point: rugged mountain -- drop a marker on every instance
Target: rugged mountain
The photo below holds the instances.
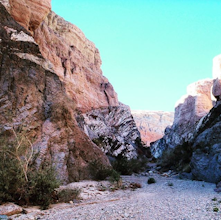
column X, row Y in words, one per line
column 151, row 124
column 49, row 76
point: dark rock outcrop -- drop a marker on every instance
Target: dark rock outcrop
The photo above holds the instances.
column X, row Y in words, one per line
column 206, row 147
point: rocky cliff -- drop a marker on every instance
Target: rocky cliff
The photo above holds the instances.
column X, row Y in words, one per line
column 151, row 124
column 193, row 142
column 77, row 62
column 188, row 111
column 49, row 76
column 33, row 98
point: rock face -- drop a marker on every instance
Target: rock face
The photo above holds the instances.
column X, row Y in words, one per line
column 33, row 96
column 77, row 62
column 206, row 147
column 189, row 110
column 151, row 124
column 114, row 130
column 50, row 74
column 28, row 13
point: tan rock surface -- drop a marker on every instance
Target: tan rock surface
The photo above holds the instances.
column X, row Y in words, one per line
column 151, row 124
column 28, row 13
column 77, row 62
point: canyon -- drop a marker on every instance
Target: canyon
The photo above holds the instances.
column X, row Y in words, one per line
column 53, row 89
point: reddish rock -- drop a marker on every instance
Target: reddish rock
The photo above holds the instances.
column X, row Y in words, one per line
column 33, row 97
column 151, row 124
column 28, row 13
column 77, row 62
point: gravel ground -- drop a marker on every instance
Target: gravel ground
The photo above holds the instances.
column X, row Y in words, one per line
column 169, row 198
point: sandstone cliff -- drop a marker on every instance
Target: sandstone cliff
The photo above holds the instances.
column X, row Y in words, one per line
column 151, row 124
column 34, row 98
column 50, row 75
column 77, row 62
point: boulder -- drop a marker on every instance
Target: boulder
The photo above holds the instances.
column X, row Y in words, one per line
column 10, row 209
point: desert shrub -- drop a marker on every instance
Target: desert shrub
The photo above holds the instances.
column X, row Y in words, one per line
column 151, row 180
column 177, row 158
column 21, row 182
column 114, row 176
column 11, row 177
column 215, row 209
column 42, row 183
column 67, row 195
column 127, row 167
column 99, row 171
column 170, row 184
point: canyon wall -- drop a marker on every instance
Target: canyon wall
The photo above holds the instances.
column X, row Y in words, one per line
column 193, row 141
column 50, row 76
column 77, row 62
column 188, row 111
column 151, row 124
column 114, row 130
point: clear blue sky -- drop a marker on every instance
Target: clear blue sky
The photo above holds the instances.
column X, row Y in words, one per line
column 150, row 49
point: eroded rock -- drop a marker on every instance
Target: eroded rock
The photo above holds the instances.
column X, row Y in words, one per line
column 113, row 130
column 77, row 62
column 10, row 209
column 151, row 124
column 188, row 112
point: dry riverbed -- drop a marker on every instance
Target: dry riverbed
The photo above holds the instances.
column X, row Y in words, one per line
column 168, row 198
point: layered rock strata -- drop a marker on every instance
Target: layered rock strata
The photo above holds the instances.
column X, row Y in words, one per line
column 77, row 62
column 28, row 13
column 188, row 112
column 114, row 130
column 151, row 124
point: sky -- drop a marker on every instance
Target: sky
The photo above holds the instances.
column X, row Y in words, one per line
column 150, row 49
